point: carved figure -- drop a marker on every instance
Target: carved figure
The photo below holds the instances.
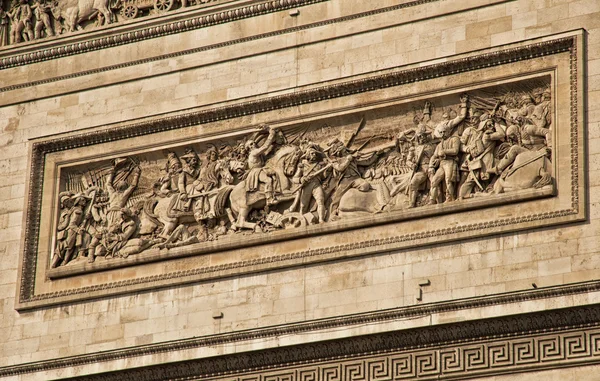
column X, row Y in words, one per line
column 207, row 180
column 479, row 145
column 170, row 182
column 166, row 212
column 418, row 159
column 72, row 225
column 185, row 184
column 530, row 169
column 119, row 193
column 108, row 242
column 42, row 11
column 309, row 176
column 21, row 22
column 243, row 202
column 449, row 124
column 257, row 173
column 4, row 24
column 182, row 236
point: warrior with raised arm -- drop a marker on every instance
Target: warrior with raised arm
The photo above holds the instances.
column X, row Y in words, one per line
column 257, row 173
column 119, row 193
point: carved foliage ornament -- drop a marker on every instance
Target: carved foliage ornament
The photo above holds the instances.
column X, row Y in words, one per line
column 478, row 146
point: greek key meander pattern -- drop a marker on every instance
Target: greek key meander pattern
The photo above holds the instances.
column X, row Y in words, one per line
column 39, row 150
column 573, row 348
column 535, row 341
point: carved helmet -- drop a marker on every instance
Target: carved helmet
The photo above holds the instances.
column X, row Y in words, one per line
column 173, row 161
column 190, row 154
column 212, row 149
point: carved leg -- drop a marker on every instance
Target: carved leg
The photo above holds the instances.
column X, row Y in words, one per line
column 242, row 223
column 319, row 196
column 168, row 229
column 450, row 191
column 56, row 261
column 466, row 188
column 294, row 205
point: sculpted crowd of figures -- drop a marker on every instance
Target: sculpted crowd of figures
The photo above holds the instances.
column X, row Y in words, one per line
column 27, row 20
column 273, row 180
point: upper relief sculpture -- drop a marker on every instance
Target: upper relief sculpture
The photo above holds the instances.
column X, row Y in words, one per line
column 27, row 20
column 479, row 144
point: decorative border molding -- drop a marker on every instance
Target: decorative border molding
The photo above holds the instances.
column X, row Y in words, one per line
column 40, row 149
column 541, row 340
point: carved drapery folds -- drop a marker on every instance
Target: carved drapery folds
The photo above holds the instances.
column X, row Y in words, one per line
column 445, row 150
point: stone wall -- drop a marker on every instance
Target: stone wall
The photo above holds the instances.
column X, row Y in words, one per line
column 269, row 54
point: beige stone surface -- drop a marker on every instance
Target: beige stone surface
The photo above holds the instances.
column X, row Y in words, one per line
column 500, row 263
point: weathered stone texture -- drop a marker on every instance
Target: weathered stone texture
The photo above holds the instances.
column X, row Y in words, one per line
column 509, row 262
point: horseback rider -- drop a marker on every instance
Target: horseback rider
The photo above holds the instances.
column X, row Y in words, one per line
column 257, row 173
column 189, row 174
column 207, row 180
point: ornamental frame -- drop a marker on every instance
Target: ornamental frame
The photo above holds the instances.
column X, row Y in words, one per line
column 559, row 58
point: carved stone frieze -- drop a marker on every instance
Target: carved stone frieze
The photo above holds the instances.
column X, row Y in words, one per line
column 479, row 144
column 444, row 154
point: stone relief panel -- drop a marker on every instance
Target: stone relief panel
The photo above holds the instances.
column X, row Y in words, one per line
column 25, row 20
column 487, row 144
column 444, row 150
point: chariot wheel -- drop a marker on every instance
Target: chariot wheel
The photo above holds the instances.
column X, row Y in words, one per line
column 163, row 5
column 293, row 220
column 129, row 11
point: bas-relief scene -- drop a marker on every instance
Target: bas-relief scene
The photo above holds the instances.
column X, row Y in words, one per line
column 442, row 150
column 28, row 20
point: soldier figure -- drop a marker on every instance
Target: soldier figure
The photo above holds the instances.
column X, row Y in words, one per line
column 443, row 167
column 479, row 144
column 41, row 11
column 21, row 20
column 309, row 175
column 70, row 229
column 450, row 124
column 169, row 182
column 119, row 194
column 419, row 160
column 208, row 180
column 345, row 166
column 256, row 172
column 109, row 241
column 189, row 174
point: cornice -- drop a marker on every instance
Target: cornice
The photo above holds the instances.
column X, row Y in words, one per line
column 40, row 149
column 541, row 322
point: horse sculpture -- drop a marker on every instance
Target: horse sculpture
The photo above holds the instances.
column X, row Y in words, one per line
column 529, row 170
column 73, row 12
column 241, row 202
column 158, row 211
